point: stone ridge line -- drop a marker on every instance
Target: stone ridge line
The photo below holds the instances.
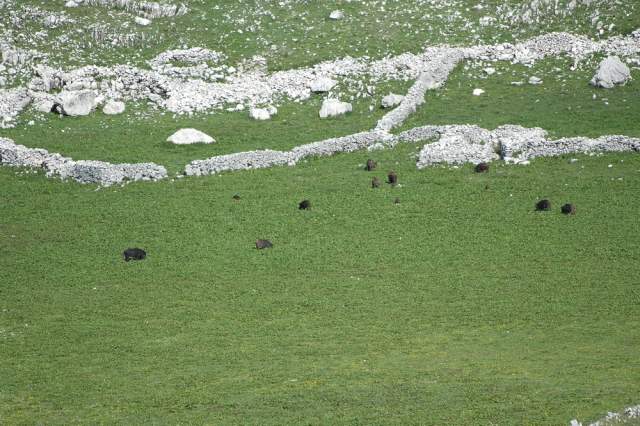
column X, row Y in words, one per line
column 433, row 74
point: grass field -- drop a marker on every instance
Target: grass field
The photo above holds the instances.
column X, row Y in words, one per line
column 459, row 305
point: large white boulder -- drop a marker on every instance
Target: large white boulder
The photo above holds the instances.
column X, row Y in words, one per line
column 78, row 102
column 334, row 107
column 611, row 71
column 322, row 84
column 391, row 100
column 189, row 136
column 113, row 107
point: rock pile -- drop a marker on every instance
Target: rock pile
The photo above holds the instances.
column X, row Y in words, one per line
column 627, row 415
column 97, row 172
column 516, row 144
column 12, row 101
column 268, row 158
column 459, row 147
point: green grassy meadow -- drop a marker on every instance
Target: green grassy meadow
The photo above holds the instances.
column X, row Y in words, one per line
column 460, row 305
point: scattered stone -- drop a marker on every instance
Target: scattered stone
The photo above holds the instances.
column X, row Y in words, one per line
column 263, row 244
column 375, row 182
column 568, row 209
column 371, row 165
column 134, row 254
column 142, row 21
column 482, row 168
column 189, row 136
column 236, row 197
column 113, row 107
column 334, row 107
column 485, row 21
column 336, row 15
column 535, row 80
column 259, row 114
column 78, row 102
column 322, row 85
column 304, row 205
column 396, row 201
column 611, row 71
column 543, row 205
column 71, row 3
column 392, row 178
column 478, row 92
column 391, row 100
column 489, row 71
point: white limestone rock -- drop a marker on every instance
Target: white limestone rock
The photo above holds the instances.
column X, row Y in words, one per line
column 322, row 85
column 259, row 114
column 78, row 102
column 391, row 100
column 189, row 136
column 334, row 107
column 113, row 107
column 478, row 92
column 142, row 21
column 611, row 71
column 43, row 105
column 535, row 80
column 71, row 3
column 336, row 15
